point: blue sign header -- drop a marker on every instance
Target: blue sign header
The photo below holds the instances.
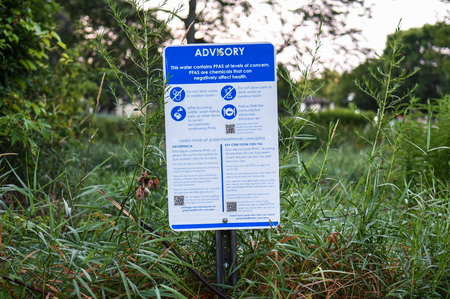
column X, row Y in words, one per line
column 218, row 63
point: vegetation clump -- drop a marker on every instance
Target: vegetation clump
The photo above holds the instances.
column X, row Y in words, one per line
column 363, row 219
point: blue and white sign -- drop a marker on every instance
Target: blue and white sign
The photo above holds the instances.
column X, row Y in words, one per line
column 222, row 136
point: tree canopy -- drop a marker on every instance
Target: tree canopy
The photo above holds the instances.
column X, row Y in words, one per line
column 217, row 19
column 427, row 48
column 83, row 23
column 29, row 84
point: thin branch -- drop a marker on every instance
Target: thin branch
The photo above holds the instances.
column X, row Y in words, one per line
column 28, row 286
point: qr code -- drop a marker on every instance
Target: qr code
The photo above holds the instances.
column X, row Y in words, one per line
column 231, row 206
column 230, row 129
column 178, row 200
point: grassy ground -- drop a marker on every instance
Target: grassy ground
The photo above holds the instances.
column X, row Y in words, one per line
column 336, row 239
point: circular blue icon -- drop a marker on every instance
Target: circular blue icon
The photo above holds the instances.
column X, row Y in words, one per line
column 178, row 113
column 177, row 94
column 228, row 92
column 229, row 111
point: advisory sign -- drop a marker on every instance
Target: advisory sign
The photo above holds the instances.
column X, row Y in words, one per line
column 222, row 136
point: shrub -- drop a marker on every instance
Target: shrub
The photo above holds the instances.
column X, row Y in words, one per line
column 350, row 122
column 425, row 152
column 41, row 105
column 346, row 117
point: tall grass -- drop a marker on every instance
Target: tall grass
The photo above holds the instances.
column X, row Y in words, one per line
column 373, row 227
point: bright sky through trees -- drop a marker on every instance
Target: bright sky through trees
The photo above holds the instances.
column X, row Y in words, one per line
column 386, row 15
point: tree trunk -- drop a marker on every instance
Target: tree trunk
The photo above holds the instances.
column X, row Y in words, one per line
column 191, row 17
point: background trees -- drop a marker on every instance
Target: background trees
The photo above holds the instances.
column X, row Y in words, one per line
column 285, row 27
column 342, row 90
column 44, row 93
column 81, row 22
column 50, row 69
column 427, row 47
column 36, row 100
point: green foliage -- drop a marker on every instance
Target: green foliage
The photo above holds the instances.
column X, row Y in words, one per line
column 283, row 90
column 27, row 34
column 426, row 47
column 294, row 120
column 314, row 134
column 384, row 144
column 331, row 85
column 26, row 38
column 425, row 152
column 79, row 23
column 346, row 93
column 350, row 122
column 42, row 102
column 112, row 129
column 69, row 248
column 347, row 117
column 359, row 223
column 146, row 92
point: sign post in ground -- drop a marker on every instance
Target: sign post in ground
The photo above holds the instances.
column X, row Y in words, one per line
column 222, row 142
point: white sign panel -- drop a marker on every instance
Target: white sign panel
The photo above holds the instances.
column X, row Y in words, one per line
column 222, row 136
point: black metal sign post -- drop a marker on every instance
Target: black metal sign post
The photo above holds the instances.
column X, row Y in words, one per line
column 226, row 259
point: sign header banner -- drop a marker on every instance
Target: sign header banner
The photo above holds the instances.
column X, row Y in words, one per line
column 194, row 64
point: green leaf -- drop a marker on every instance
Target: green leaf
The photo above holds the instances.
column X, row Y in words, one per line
column 88, row 257
column 77, row 289
column 33, row 146
column 21, row 83
column 62, row 45
column 36, row 108
column 86, row 286
column 46, row 42
column 173, row 291
column 45, row 133
column 24, row 63
column 16, row 135
column 37, row 28
column 15, row 108
column 55, row 35
column 32, row 65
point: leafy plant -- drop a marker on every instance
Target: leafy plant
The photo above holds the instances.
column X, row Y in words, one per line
column 369, row 230
column 145, row 92
column 425, row 152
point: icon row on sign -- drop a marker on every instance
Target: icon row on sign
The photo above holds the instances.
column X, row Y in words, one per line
column 178, row 113
column 177, row 94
